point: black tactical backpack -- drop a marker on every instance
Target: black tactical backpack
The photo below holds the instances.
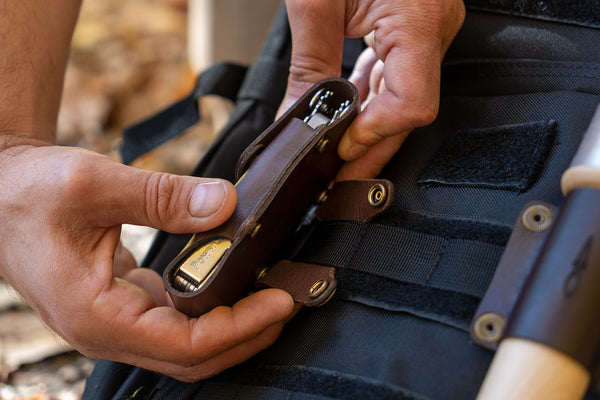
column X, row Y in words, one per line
column 519, row 87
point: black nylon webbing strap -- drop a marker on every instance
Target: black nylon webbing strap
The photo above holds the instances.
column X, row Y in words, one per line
column 460, row 265
column 580, row 12
column 222, row 79
column 382, row 264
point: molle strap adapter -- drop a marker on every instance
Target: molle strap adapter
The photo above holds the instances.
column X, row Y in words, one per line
column 280, row 178
column 313, row 284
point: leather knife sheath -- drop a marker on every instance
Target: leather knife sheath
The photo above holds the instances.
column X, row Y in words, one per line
column 280, row 177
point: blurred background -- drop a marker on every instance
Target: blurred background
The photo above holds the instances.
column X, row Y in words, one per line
column 129, row 60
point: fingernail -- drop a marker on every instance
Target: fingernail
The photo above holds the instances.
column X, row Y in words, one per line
column 206, row 199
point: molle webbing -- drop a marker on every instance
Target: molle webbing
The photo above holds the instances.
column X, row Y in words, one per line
column 386, row 265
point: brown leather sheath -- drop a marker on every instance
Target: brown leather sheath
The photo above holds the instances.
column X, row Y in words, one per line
column 280, row 176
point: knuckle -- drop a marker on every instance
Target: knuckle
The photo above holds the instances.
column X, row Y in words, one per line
column 309, row 68
column 423, row 114
column 75, row 176
column 161, row 197
column 370, row 138
column 79, row 339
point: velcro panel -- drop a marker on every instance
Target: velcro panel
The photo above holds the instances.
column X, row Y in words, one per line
column 580, row 12
column 508, row 157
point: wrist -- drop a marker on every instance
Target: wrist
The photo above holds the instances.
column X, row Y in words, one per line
column 12, row 144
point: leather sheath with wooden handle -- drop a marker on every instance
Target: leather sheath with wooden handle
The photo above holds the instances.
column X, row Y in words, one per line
column 553, row 335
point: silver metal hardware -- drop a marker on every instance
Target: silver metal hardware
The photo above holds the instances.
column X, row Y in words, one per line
column 322, row 113
column 537, row 218
column 489, row 327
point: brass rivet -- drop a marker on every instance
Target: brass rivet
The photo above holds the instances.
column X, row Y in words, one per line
column 322, row 197
column 318, row 288
column 322, row 144
column 261, row 273
column 255, row 230
column 537, row 218
column 377, row 195
column 489, row 327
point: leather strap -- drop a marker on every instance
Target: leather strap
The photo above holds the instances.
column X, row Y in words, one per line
column 359, row 200
column 309, row 284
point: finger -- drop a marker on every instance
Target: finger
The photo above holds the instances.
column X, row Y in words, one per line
column 163, row 335
column 373, row 161
column 410, row 100
column 123, row 261
column 151, row 282
column 317, row 36
column 212, row 366
column 360, row 76
column 229, row 358
column 108, row 193
column 376, row 82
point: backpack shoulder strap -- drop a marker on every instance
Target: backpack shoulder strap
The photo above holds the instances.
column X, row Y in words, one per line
column 224, row 79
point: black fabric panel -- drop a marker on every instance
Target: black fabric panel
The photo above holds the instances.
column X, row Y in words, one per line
column 266, row 81
column 580, row 12
column 507, row 77
column 493, row 36
column 323, row 383
column 383, row 345
column 112, row 380
column 451, row 227
column 446, row 306
column 352, row 49
column 571, row 110
column 505, row 157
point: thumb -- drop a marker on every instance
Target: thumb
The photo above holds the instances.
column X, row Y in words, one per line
column 112, row 194
column 317, row 37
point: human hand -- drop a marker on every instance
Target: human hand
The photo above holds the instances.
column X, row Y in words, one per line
column 59, row 247
column 399, row 78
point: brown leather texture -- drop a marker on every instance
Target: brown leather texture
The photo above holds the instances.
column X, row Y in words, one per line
column 560, row 300
column 275, row 191
column 311, row 285
column 520, row 255
column 359, row 200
